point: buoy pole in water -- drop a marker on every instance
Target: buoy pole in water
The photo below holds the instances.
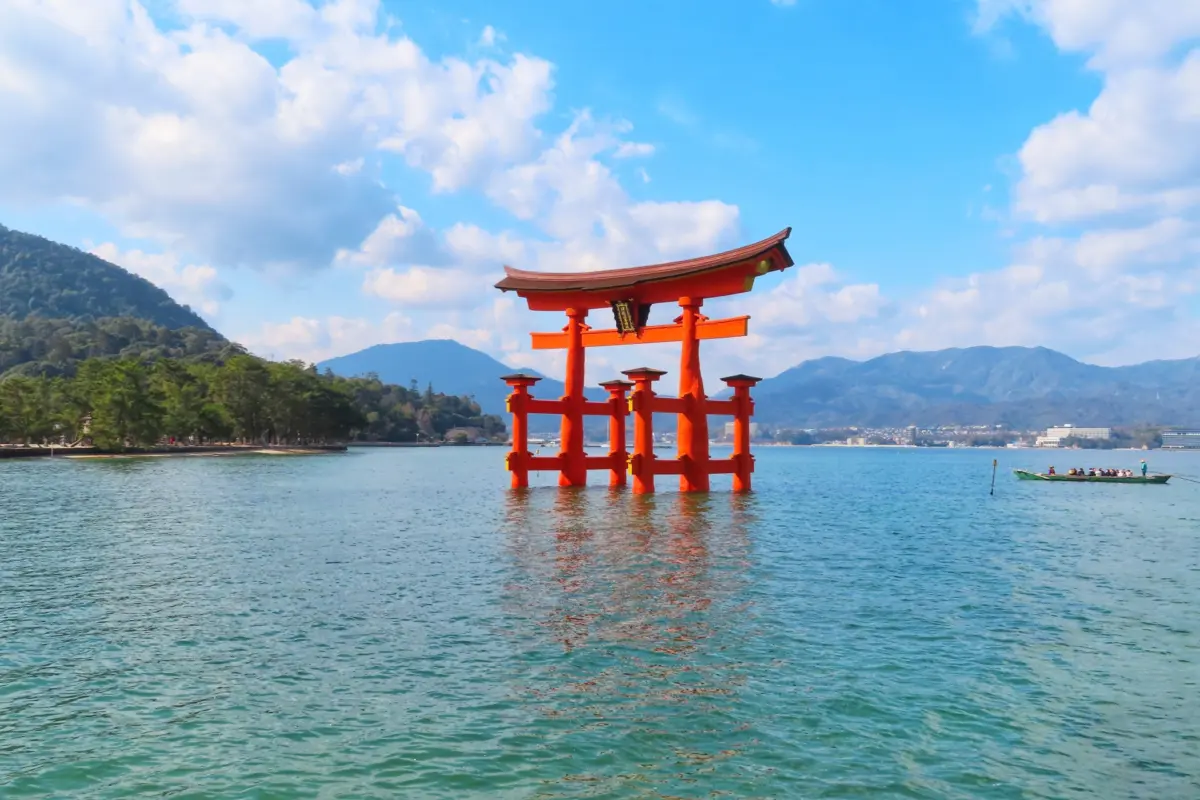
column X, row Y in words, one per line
column 993, row 491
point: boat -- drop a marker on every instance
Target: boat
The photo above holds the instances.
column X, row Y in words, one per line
column 1026, row 475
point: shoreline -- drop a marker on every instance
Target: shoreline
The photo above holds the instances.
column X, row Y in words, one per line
column 176, row 451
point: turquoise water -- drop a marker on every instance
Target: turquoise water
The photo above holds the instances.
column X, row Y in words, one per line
column 383, row 624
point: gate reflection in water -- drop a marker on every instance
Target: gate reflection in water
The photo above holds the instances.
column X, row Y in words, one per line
column 635, row 638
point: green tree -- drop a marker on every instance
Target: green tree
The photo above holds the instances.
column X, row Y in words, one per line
column 126, row 406
column 243, row 389
column 29, row 409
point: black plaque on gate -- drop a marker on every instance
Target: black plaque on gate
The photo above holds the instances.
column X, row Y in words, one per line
column 625, row 312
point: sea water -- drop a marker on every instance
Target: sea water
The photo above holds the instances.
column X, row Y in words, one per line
column 396, row 623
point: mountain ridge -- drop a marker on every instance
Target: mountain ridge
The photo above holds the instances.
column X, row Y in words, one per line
column 449, row 366
column 43, row 278
column 1021, row 387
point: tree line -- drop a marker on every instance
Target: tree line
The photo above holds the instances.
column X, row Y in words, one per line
column 54, row 346
column 121, row 403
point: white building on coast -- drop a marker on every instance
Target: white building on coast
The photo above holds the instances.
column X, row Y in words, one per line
column 1054, row 436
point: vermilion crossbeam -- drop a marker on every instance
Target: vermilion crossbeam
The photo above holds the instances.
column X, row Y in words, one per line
column 652, row 334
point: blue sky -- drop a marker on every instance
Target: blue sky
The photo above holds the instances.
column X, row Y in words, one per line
column 318, row 179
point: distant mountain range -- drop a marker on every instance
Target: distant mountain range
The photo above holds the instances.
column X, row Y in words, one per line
column 1021, row 387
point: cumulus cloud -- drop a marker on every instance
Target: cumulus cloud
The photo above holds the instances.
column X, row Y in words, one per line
column 191, row 138
column 400, row 238
column 1112, row 32
column 1134, row 152
column 424, row 286
column 312, row 339
column 196, row 285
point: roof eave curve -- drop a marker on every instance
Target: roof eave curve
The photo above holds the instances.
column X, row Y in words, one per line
column 527, row 281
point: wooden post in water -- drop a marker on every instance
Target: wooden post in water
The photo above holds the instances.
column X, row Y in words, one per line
column 518, row 405
column 743, row 461
column 641, row 402
column 616, row 430
column 993, row 491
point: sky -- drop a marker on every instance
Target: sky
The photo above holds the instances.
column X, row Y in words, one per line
column 314, row 177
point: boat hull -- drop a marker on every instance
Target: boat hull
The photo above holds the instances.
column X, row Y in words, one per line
column 1026, row 475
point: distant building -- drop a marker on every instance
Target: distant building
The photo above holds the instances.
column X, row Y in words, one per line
column 729, row 430
column 1055, row 436
column 910, row 435
column 857, row 441
column 1179, row 439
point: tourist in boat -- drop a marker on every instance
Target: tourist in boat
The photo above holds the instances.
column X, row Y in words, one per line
column 1051, row 472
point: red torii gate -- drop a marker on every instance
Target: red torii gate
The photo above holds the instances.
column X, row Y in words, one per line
column 630, row 293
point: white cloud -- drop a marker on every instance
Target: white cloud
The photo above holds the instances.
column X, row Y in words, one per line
column 425, row 286
column 195, row 285
column 634, row 150
column 489, row 37
column 1137, row 150
column 578, row 203
column 191, row 138
column 1113, row 32
column 312, row 340
column 399, row 238
column 470, row 244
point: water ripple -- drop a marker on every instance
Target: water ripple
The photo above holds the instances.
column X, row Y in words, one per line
column 395, row 624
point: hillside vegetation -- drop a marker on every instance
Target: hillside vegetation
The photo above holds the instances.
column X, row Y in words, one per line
column 42, row 278
column 54, row 347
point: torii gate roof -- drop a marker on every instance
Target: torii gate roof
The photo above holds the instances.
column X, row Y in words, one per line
column 731, row 272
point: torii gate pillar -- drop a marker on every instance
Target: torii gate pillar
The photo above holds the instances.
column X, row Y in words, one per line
column 692, row 429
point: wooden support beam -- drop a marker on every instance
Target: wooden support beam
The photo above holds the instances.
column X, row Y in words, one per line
column 667, row 405
column 668, row 466
column 600, row 462
column 722, row 466
column 544, row 463
column 533, row 406
column 726, row 407
column 652, row 334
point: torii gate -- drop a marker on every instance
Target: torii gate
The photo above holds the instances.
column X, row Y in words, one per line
column 630, row 293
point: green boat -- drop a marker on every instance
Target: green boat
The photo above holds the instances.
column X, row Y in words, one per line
column 1026, row 475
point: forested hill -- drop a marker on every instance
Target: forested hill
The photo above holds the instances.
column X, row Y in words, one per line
column 55, row 347
column 42, row 278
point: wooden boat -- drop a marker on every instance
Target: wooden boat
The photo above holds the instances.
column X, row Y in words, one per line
column 1026, row 475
